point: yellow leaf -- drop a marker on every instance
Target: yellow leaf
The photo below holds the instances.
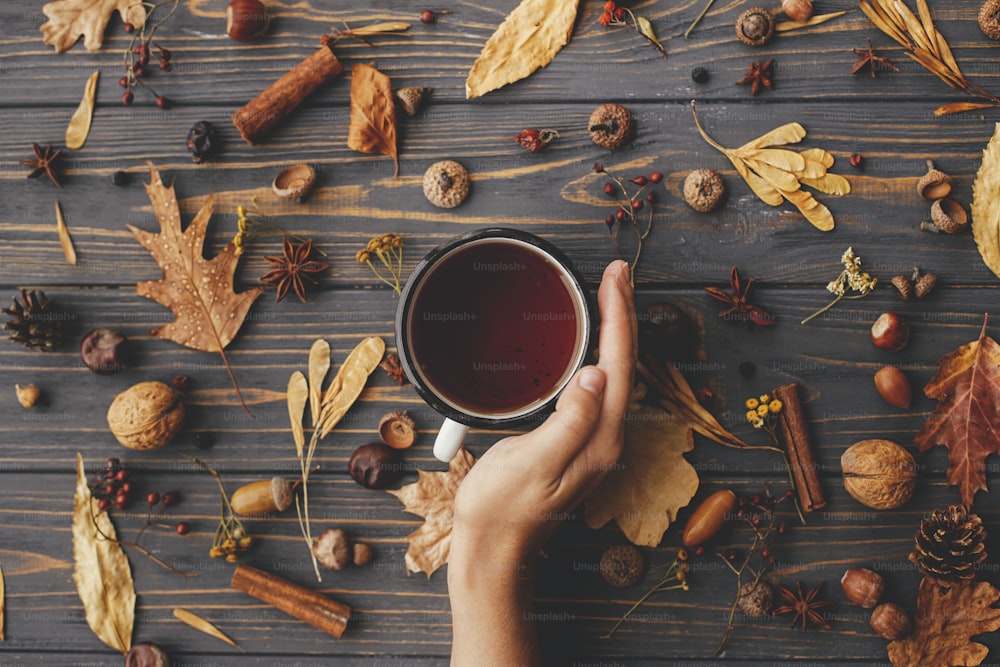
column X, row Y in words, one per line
column 372, row 126
column 201, row 625
column 297, row 395
column 68, row 20
column 913, row 27
column 986, row 204
column 961, row 107
column 786, row 26
column 646, row 30
column 832, row 184
column 349, row 382
column 783, row 159
column 815, row 212
column 79, row 124
column 319, row 366
column 101, row 571
column 790, row 133
column 65, row 240
column 780, row 179
column 760, row 187
column 818, row 155
column 529, row 38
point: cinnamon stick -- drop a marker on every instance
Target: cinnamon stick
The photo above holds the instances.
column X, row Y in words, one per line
column 304, row 604
column 794, row 434
column 259, row 116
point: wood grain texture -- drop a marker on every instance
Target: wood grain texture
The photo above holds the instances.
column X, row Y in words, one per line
column 401, row 620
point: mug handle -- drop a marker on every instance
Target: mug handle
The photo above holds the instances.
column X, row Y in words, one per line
column 449, row 440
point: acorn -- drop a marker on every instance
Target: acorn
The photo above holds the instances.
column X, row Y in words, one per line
column 266, row 496
column 294, row 182
column 247, row 20
column 935, row 184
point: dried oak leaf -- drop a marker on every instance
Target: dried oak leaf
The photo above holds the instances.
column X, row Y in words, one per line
column 101, row 570
column 71, row 19
column 373, row 113
column 529, row 38
column 945, row 622
column 967, row 388
column 432, row 497
column 986, row 205
column 208, row 313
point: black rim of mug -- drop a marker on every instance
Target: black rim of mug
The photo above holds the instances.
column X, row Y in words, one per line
column 406, row 298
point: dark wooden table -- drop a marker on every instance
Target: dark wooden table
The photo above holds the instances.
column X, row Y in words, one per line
column 400, row 619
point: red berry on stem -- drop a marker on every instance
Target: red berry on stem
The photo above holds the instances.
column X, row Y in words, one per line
column 637, row 205
column 651, row 197
column 127, row 97
column 655, row 177
column 640, row 180
column 162, row 102
column 699, row 550
column 103, row 505
column 183, row 528
column 152, row 497
column 120, row 504
column 126, row 487
column 170, row 498
column 123, row 82
column 610, row 220
column 111, row 463
column 165, row 65
column 109, row 490
column 619, row 215
column 609, row 189
column 427, row 16
column 128, row 27
column 121, row 475
column 139, row 71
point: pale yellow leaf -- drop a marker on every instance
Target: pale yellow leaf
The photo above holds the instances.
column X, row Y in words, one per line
column 349, row 382
column 65, row 240
column 79, row 124
column 297, row 395
column 815, row 212
column 832, row 184
column 818, row 155
column 812, row 169
column 201, row 625
column 761, row 188
column 319, row 366
column 101, row 570
column 961, row 107
column 786, row 26
column 780, row 179
column 986, row 204
column 780, row 158
column 529, row 38
column 947, row 57
column 913, row 27
column 789, row 133
column 3, row 607
column 379, row 28
column 68, row 20
column 802, row 199
column 646, row 30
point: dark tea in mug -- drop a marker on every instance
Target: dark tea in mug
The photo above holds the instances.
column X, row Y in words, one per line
column 495, row 328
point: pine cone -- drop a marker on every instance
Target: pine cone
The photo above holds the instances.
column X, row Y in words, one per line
column 949, row 545
column 35, row 322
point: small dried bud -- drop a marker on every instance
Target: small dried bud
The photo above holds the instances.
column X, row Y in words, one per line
column 27, row 395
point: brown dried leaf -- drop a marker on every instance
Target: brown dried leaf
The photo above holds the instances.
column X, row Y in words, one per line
column 986, row 204
column 201, row 625
column 945, row 622
column 297, row 395
column 967, row 388
column 79, row 124
column 319, row 366
column 787, row 26
column 208, row 313
column 529, row 38
column 3, row 607
column 349, row 381
column 71, row 19
column 373, row 113
column 65, row 240
column 101, row 570
column 432, row 497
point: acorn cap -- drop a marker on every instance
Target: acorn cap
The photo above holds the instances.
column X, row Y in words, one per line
column 703, row 189
column 611, row 126
column 924, row 285
column 294, row 182
column 903, row 286
column 446, row 184
column 397, row 430
column 411, row 98
column 755, row 26
column 989, row 19
column 935, row 184
column 281, row 491
column 949, row 216
column 622, row 566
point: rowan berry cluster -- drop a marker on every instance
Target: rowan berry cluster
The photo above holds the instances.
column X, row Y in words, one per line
column 140, row 50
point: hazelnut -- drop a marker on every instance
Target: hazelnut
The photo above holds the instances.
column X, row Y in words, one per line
column 879, row 473
column 903, row 286
column 703, row 189
column 294, row 182
column 709, row 518
column 333, row 549
column 890, row 621
column 103, row 351
column 622, row 566
column 935, row 184
column 265, row 496
column 611, row 126
column 862, row 586
column 890, row 332
column 755, row 26
column 412, row 98
column 893, row 385
column 397, row 430
column 247, row 20
column 989, row 19
column 924, row 285
column 756, row 599
column 446, row 184
column 27, row 395
column 375, row 466
column 949, row 216
column 146, row 415
column 146, row 654
column 362, row 553
column 797, row 10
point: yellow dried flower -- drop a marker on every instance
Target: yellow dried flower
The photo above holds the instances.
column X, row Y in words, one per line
column 752, row 403
column 373, row 245
column 762, row 410
column 775, row 406
column 764, row 398
column 682, row 555
column 752, row 415
column 363, row 256
column 246, row 542
column 230, row 558
column 214, row 552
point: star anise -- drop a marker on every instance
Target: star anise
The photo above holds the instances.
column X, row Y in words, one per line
column 759, row 75
column 44, row 163
column 804, row 605
column 872, row 60
column 394, row 369
column 289, row 270
column 738, row 299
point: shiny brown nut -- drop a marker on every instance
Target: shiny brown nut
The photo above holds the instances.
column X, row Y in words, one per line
column 879, row 473
column 103, row 351
column 893, row 385
column 862, row 586
column 709, row 518
column 890, row 621
column 146, row 415
column 375, row 466
column 247, row 20
column 266, row 496
column 797, row 10
column 146, row 654
column 890, row 332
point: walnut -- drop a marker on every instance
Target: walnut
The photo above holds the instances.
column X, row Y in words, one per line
column 879, row 473
column 146, row 415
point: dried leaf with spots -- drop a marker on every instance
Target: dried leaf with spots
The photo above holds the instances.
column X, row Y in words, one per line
column 967, row 418
column 79, row 124
column 68, row 20
column 208, row 313
column 101, row 571
column 529, row 38
column 373, row 113
column 201, row 625
column 945, row 622
column 432, row 497
column 986, row 204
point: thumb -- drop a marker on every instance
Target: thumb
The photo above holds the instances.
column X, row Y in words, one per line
column 578, row 412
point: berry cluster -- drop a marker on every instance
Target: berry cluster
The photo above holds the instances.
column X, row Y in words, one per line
column 630, row 204
column 140, row 50
column 612, row 14
column 111, row 486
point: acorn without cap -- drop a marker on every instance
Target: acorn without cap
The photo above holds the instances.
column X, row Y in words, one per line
column 611, row 126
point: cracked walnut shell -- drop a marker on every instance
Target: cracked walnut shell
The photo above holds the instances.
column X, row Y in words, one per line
column 611, row 126
column 446, row 184
column 879, row 473
column 989, row 19
column 146, row 415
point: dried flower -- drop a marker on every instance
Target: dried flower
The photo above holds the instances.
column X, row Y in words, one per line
column 851, row 278
column 738, row 298
column 251, row 228
column 804, row 605
column 676, row 577
column 388, row 250
column 868, row 58
column 394, row 369
column 614, row 15
column 44, row 163
column 230, row 537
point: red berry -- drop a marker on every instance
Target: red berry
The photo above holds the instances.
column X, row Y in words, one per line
column 128, row 27
column 183, row 528
column 427, row 16
column 609, row 189
column 655, row 177
column 123, row 82
column 120, row 504
column 139, row 71
column 109, row 490
column 755, row 520
column 103, row 505
column 789, row 493
column 165, row 65
column 164, row 53
column 781, row 528
column 699, row 550
column 182, row 383
column 121, row 475
column 609, row 221
column 640, row 180
column 126, row 487
column 755, row 500
column 162, row 102
column 170, row 498
column 620, row 215
column 651, row 197
column 152, row 497
column 765, row 553
column 111, row 463
column 637, row 205
column 127, row 97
